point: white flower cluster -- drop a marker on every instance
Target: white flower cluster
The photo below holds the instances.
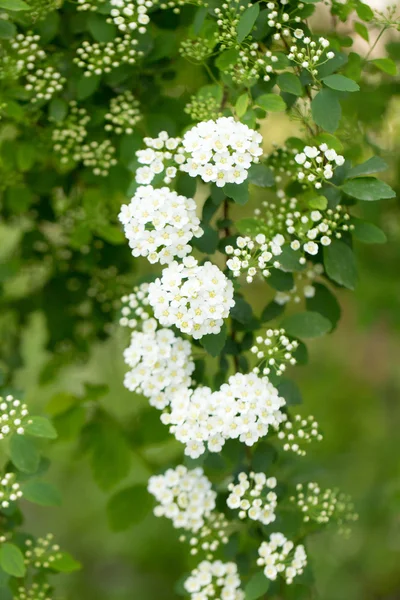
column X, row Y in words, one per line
column 244, row 407
column 99, row 156
column 159, row 224
column 195, row 298
column 299, row 432
column 13, row 416
column 37, row 591
column 323, row 506
column 124, row 113
column 303, row 286
column 161, row 154
column 221, row 151
column 130, row 16
column 44, row 83
column 216, row 580
column 281, row 556
column 253, row 497
column 184, row 496
column 274, row 350
column 69, row 135
column 317, row 164
column 89, row 5
column 161, row 364
column 209, row 537
column 308, row 53
column 41, row 552
column 135, row 307
column 252, row 256
column 102, row 57
column 9, row 490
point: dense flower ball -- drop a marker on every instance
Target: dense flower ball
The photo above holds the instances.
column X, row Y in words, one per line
column 281, row 556
column 160, row 364
column 221, row 151
column 243, row 408
column 185, row 497
column 254, row 498
column 135, row 307
column 195, row 298
column 159, row 224
column 124, row 113
column 214, row 580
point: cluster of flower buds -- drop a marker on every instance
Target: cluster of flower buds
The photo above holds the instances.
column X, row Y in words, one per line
column 130, row 16
column 314, row 228
column 316, row 165
column 89, row 5
column 309, row 54
column 280, row 556
column 42, row 552
column 324, row 506
column 135, row 307
column 254, row 498
column 210, row 536
column 69, row 135
column 37, row 591
column 203, row 107
column 274, row 351
column 280, row 16
column 298, row 433
column 9, row 490
column 13, row 416
column 102, row 57
column 197, row 50
column 124, row 113
column 99, row 156
column 42, row 84
column 23, row 55
column 253, row 256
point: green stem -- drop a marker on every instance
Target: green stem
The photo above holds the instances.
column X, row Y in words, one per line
column 375, row 43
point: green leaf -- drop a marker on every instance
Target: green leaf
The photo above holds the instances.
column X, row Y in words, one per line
column 65, row 563
column 362, row 31
column 375, row 164
column 214, row 343
column 238, row 192
column 14, row 5
column 271, row 102
column 306, row 325
column 256, row 587
column 242, row 311
column 364, row 12
column 325, row 303
column 58, row 109
column 326, row 110
column 241, row 105
column 127, row 507
column 290, row 83
column 261, row 175
column 340, row 264
column 387, row 65
column 272, row 311
column 208, row 242
column 247, row 21
column 282, row 281
column 86, row 86
column 41, row 492
column 226, row 59
column 368, row 189
column 368, row 232
column 12, row 560
column 263, row 457
column 40, row 427
column 289, row 259
column 100, row 29
column 110, row 452
column 289, row 390
column 341, row 83
column 7, row 29
column 251, row 226
column 24, row 454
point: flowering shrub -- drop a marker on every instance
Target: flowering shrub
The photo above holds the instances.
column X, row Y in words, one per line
column 153, row 137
